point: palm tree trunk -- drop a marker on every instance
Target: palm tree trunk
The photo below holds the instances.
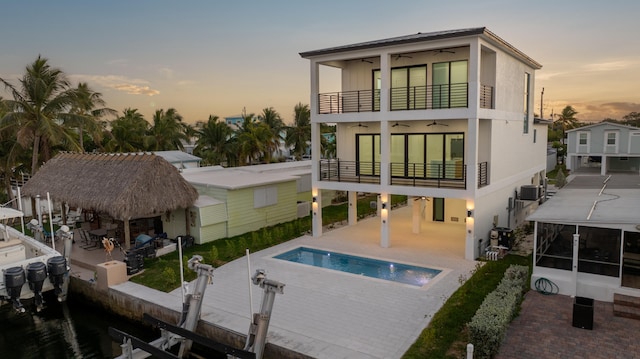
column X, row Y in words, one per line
column 34, row 155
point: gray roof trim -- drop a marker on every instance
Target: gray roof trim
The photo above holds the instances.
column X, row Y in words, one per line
column 598, row 124
column 421, row 37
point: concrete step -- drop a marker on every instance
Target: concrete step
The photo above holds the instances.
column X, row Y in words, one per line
column 626, row 300
column 626, row 311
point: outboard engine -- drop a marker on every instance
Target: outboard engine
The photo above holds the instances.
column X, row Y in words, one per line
column 57, row 269
column 36, row 274
column 13, row 281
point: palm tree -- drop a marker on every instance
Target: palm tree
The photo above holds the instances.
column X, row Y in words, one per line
column 41, row 99
column 299, row 134
column 89, row 106
column 567, row 120
column 128, row 132
column 271, row 132
column 214, row 142
column 167, row 131
column 249, row 136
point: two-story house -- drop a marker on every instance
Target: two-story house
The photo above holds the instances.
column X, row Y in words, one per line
column 606, row 146
column 445, row 118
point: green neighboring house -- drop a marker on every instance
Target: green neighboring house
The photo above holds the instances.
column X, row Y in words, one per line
column 242, row 199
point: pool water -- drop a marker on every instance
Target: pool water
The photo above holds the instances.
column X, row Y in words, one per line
column 374, row 268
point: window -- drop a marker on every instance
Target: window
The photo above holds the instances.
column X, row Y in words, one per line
column 266, row 196
column 409, row 88
column 583, row 138
column 554, row 245
column 611, row 142
column 450, row 84
column 427, row 155
column 527, row 84
column 368, row 154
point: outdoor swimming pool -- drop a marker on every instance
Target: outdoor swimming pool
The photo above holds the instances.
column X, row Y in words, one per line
column 396, row 272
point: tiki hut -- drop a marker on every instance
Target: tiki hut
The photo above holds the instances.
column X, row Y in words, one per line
column 124, row 186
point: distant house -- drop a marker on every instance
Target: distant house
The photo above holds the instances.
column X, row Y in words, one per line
column 606, row 146
column 234, row 121
column 180, row 159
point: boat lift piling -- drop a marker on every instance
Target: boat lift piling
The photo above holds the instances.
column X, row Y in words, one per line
column 185, row 334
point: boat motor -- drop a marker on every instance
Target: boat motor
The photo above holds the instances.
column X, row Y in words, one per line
column 36, row 274
column 13, row 281
column 57, row 270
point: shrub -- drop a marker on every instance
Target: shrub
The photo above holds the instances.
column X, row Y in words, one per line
column 489, row 325
column 169, row 276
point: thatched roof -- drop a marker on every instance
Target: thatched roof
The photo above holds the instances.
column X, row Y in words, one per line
column 125, row 186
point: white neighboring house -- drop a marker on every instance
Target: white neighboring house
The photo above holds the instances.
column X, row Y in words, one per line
column 443, row 117
column 606, row 146
column 180, row 159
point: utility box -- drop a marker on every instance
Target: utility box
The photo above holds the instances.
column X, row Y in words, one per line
column 110, row 273
column 583, row 313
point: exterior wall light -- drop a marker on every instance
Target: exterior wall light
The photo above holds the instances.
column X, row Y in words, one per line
column 469, row 213
column 314, row 199
column 384, row 205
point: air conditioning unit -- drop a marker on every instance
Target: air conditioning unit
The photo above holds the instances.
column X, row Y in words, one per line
column 529, row 193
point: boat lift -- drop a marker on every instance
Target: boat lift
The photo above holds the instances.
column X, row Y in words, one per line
column 184, row 332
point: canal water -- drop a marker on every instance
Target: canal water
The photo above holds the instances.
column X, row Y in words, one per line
column 64, row 330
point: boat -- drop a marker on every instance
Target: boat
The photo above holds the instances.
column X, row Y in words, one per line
column 29, row 266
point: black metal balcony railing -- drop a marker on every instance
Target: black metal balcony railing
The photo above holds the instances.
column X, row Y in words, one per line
column 349, row 101
column 404, row 98
column 402, row 174
column 486, row 96
column 449, row 175
column 483, row 174
column 350, row 171
column 429, row 97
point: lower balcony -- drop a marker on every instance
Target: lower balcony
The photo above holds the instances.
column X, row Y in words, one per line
column 448, row 175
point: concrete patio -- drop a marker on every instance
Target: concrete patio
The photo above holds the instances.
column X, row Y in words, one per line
column 330, row 314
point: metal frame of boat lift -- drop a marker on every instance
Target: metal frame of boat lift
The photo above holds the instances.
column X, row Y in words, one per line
column 184, row 333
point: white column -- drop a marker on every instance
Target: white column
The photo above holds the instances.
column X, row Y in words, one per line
column 603, row 166
column 353, row 207
column 470, row 242
column 316, row 213
column 416, row 218
column 385, row 208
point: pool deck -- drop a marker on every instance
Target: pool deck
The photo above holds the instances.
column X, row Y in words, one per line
column 329, row 314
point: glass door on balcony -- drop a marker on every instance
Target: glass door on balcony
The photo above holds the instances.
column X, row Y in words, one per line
column 450, row 84
column 435, row 156
column 368, row 155
column 408, row 88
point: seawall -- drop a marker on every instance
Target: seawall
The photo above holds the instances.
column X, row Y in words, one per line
column 134, row 306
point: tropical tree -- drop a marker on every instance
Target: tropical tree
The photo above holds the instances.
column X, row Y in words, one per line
column 167, row 132
column 250, row 136
column 298, row 135
column 567, row 120
column 89, row 105
column 632, row 119
column 214, row 143
column 40, row 100
column 271, row 132
column 128, row 132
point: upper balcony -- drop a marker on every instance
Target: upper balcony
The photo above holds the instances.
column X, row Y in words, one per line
column 404, row 98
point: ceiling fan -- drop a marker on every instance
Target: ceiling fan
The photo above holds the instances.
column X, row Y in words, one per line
column 398, row 57
column 434, row 123
column 440, row 51
column 359, row 125
column 423, row 198
column 400, row 124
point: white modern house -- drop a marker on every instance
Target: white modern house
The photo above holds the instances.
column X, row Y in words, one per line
column 606, row 146
column 445, row 118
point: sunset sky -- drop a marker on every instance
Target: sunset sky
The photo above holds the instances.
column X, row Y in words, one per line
column 217, row 57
